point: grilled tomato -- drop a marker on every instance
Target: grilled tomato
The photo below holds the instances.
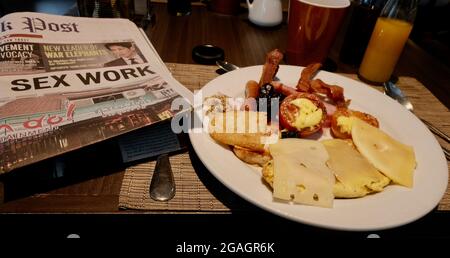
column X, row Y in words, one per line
column 302, row 112
column 341, row 122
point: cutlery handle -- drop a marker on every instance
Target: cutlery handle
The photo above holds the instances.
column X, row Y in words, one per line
column 439, row 133
column 162, row 187
column 436, row 131
column 446, row 152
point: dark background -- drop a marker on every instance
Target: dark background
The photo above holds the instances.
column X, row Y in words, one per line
column 432, row 29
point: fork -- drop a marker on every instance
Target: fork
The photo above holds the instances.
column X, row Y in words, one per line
column 394, row 92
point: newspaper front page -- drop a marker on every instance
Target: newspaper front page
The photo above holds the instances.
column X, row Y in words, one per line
column 67, row 82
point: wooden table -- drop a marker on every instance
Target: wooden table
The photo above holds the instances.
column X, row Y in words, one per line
column 245, row 45
column 96, row 190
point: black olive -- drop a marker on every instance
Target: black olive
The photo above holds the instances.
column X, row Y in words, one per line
column 266, row 93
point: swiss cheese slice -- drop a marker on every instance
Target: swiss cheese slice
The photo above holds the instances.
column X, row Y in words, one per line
column 301, row 173
column 357, row 175
column 391, row 157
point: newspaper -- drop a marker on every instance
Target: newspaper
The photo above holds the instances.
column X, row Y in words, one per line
column 67, row 82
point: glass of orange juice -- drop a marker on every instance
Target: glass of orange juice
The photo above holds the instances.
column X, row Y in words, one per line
column 388, row 38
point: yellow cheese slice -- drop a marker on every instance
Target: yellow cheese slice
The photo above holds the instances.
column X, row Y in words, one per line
column 301, row 173
column 356, row 174
column 391, row 157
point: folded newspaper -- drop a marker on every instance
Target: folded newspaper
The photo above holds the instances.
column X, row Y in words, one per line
column 67, row 82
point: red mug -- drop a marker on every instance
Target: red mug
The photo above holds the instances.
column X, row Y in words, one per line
column 312, row 29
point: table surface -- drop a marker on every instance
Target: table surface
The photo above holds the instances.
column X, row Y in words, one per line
column 96, row 189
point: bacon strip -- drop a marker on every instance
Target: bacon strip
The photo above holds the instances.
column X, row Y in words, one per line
column 283, row 89
column 270, row 68
column 307, row 84
column 333, row 92
column 304, row 83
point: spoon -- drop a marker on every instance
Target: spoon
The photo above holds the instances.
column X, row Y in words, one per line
column 396, row 93
column 224, row 65
column 162, row 186
column 228, row 67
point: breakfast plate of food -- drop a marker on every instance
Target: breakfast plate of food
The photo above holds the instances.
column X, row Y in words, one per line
column 318, row 148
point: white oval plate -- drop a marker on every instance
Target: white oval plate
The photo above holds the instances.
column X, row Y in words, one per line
column 393, row 207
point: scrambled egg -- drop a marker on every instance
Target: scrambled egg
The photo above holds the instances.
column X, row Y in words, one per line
column 310, row 115
column 345, row 124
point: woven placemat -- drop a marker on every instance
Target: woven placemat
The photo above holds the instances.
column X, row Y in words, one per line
column 191, row 193
column 198, row 191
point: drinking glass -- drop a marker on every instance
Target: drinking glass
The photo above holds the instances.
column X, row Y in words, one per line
column 388, row 38
column 364, row 16
column 312, row 29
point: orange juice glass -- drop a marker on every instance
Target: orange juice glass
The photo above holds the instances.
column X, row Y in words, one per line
column 385, row 46
column 388, row 38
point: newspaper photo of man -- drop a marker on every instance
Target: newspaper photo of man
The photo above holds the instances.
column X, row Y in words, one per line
column 126, row 54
